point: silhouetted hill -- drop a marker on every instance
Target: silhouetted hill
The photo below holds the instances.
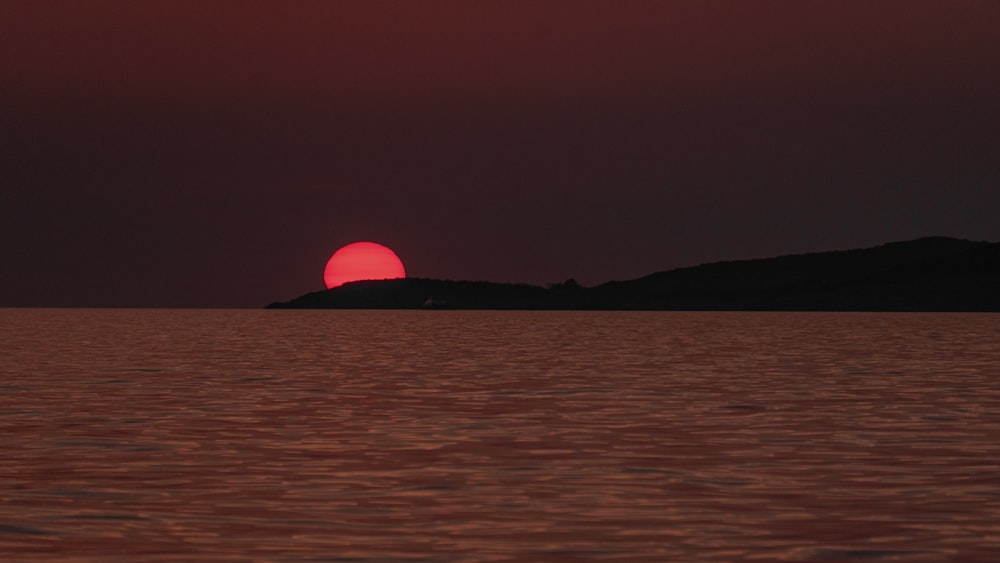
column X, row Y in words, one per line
column 928, row 274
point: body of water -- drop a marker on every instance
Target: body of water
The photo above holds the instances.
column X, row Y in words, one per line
column 233, row 435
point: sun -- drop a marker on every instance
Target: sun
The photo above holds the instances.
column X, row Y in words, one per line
column 362, row 261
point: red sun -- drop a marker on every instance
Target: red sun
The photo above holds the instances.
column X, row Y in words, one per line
column 362, row 261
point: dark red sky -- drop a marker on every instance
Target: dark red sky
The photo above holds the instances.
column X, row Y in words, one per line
column 165, row 153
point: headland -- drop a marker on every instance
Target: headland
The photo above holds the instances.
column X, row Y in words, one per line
column 927, row 274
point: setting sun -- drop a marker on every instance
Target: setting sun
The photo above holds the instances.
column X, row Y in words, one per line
column 362, row 261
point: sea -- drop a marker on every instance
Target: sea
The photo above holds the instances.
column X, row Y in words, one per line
column 454, row 436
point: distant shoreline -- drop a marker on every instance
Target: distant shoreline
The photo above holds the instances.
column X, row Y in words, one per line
column 934, row 274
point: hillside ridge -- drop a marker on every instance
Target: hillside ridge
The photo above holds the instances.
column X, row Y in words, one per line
column 926, row 274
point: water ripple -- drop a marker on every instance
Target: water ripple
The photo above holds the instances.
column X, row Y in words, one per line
column 491, row 436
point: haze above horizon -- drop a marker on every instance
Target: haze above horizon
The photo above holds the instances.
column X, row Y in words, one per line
column 161, row 154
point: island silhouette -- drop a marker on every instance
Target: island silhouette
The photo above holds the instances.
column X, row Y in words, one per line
column 926, row 274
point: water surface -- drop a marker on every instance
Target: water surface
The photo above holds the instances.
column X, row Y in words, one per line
column 498, row 436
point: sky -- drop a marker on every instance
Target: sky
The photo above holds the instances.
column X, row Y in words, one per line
column 215, row 153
